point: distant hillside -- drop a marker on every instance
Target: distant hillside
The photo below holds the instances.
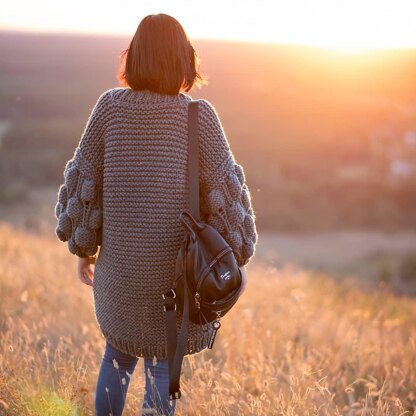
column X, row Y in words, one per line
column 299, row 119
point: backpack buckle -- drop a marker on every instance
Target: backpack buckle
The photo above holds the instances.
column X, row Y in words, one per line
column 168, row 298
column 165, row 295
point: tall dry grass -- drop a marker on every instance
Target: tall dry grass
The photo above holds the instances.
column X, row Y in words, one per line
column 296, row 343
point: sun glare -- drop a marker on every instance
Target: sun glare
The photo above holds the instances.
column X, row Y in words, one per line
column 347, row 26
column 344, row 25
column 354, row 26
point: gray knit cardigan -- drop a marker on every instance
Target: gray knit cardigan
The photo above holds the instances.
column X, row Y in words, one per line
column 124, row 189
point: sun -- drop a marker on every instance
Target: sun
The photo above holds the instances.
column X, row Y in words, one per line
column 350, row 26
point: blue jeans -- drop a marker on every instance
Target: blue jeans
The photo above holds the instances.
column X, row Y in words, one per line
column 114, row 379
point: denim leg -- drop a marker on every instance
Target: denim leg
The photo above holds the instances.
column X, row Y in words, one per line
column 113, row 381
column 156, row 398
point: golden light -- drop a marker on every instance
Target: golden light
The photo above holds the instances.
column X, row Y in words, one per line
column 345, row 25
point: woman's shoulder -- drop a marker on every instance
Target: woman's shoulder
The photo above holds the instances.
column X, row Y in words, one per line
column 206, row 106
column 103, row 100
column 208, row 115
column 207, row 112
column 111, row 93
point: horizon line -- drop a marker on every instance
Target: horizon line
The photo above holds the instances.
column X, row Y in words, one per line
column 97, row 34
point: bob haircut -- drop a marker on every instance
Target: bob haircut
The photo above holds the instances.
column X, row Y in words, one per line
column 160, row 58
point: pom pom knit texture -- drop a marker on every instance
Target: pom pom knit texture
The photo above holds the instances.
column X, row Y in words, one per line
column 123, row 191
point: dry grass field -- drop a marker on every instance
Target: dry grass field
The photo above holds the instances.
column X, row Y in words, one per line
column 297, row 343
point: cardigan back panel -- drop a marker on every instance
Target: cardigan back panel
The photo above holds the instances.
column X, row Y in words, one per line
column 123, row 191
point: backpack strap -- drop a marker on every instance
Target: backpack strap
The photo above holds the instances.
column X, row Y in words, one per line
column 193, row 156
column 176, row 346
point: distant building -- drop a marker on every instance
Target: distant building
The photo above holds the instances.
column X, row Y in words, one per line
column 393, row 153
column 356, row 172
column 410, row 138
column 402, row 168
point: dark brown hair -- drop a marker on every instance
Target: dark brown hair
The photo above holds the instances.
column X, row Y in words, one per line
column 160, row 58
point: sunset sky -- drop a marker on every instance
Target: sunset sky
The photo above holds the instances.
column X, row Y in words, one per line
column 344, row 25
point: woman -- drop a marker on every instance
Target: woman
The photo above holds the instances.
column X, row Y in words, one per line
column 123, row 192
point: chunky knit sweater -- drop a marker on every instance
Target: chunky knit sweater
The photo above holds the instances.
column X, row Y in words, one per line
column 123, row 191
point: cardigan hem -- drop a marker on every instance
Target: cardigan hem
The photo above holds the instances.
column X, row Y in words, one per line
column 159, row 351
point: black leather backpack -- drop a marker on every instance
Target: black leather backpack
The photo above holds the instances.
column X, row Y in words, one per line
column 208, row 281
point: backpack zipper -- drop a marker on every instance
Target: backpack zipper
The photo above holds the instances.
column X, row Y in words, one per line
column 222, row 253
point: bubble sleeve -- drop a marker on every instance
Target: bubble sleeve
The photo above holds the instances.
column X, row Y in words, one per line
column 79, row 209
column 225, row 199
